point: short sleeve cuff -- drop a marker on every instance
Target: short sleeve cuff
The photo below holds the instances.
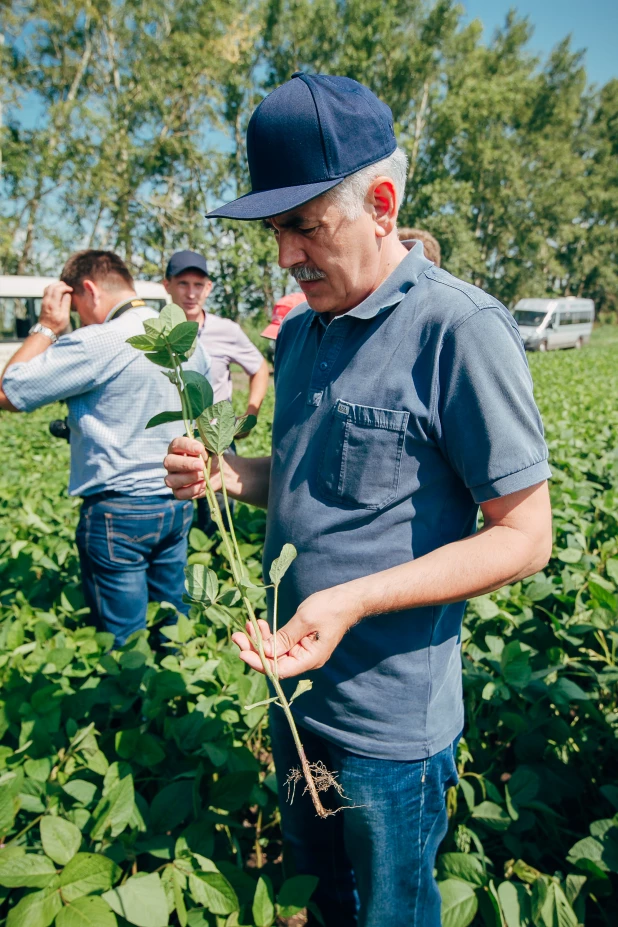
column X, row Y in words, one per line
column 513, row 482
column 11, row 391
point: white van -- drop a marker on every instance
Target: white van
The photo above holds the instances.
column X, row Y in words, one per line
column 545, row 324
column 20, row 307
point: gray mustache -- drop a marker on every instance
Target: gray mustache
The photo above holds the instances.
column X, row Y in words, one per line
column 305, row 273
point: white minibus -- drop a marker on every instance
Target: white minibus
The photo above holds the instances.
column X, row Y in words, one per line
column 20, row 307
column 546, row 324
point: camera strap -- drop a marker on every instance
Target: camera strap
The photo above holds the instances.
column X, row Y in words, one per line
column 124, row 307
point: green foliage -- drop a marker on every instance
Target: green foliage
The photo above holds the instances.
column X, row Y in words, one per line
column 142, row 130
column 159, row 760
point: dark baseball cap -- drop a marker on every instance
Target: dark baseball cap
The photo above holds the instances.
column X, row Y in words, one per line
column 307, row 136
column 185, row 260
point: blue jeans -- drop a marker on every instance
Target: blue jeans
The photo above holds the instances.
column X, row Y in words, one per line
column 133, row 550
column 375, row 861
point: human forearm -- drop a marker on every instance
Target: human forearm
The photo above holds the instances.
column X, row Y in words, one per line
column 247, row 479
column 515, row 542
column 258, row 386
column 478, row 564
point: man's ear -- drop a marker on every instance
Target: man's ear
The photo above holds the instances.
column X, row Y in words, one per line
column 90, row 287
column 166, row 284
column 383, row 200
column 208, row 290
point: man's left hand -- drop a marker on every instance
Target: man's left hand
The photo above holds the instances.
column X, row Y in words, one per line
column 309, row 638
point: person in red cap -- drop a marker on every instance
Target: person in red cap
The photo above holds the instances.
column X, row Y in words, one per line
column 280, row 310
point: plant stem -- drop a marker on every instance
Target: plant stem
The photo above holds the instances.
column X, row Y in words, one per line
column 236, row 567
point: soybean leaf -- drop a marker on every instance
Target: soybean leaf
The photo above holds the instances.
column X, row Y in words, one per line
column 461, row 866
column 303, row 686
column 115, row 809
column 182, row 336
column 515, row 904
column 90, row 911
column 550, row 905
column 86, row 874
column 171, row 806
column 263, row 907
column 147, row 342
column 459, row 903
column 141, row 901
column 201, row 583
column 171, row 316
column 61, row 840
column 216, row 426
column 244, row 424
column 162, row 358
column 265, row 701
column 280, row 564
column 30, row 871
column 163, row 418
column 199, row 391
column 214, row 891
column 37, row 909
column 295, row 893
column 492, row 815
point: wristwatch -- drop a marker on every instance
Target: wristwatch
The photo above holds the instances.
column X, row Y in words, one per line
column 39, row 329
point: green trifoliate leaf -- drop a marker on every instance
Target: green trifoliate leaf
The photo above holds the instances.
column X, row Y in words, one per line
column 145, row 342
column 161, row 357
column 61, row 840
column 263, row 907
column 213, row 890
column 181, row 338
column 163, row 418
column 280, row 565
column 171, row 316
column 141, row 901
column 245, row 423
column 216, row 426
column 90, row 911
column 30, row 871
column 201, row 583
column 86, row 874
column 303, row 686
column 295, row 894
column 198, row 391
column 37, row 909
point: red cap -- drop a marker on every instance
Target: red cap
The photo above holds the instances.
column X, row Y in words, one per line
column 280, row 310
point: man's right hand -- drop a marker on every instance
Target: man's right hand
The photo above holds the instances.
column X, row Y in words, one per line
column 185, row 463
column 56, row 307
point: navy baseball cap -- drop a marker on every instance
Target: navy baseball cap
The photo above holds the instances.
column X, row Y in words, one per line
column 307, row 136
column 185, row 260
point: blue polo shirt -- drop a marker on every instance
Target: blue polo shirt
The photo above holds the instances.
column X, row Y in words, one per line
column 392, row 423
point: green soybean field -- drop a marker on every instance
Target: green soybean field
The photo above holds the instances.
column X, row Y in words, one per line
column 137, row 785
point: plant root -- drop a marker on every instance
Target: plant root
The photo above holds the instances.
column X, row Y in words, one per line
column 322, row 779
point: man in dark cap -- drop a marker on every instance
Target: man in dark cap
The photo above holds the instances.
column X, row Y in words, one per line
column 188, row 283
column 403, row 404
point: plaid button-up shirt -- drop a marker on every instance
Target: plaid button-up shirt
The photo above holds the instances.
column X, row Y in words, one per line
column 111, row 391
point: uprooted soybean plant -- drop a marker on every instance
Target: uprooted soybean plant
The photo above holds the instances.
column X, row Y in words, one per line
column 168, row 342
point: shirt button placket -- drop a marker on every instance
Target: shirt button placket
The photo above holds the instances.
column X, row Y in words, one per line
column 328, row 351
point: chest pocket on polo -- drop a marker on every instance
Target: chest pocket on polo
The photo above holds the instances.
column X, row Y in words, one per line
column 361, row 460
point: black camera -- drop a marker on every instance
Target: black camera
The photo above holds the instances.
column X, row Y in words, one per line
column 59, row 428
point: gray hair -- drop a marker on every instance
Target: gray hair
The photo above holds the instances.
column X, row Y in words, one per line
column 349, row 195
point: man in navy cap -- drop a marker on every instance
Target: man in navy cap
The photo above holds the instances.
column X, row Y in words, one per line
column 189, row 285
column 403, row 404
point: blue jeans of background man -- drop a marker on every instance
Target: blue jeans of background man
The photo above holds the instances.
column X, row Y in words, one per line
column 133, row 550
column 375, row 861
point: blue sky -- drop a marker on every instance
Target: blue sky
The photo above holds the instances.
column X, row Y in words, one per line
column 593, row 25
